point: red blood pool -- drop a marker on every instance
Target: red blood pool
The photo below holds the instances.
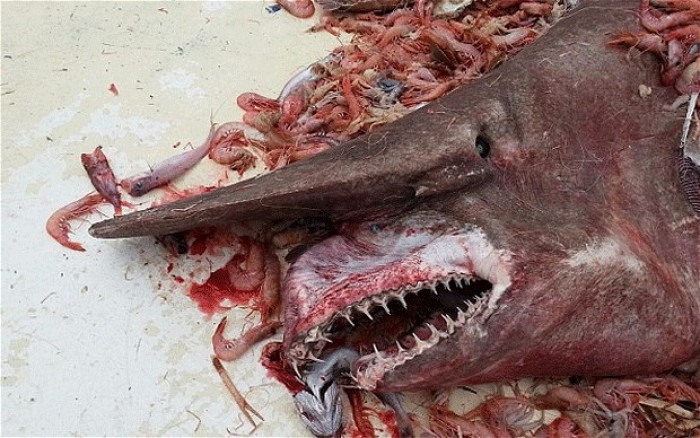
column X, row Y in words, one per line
column 216, row 289
column 271, row 359
column 389, row 420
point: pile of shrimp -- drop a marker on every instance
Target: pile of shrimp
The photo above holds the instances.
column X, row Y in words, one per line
column 394, row 63
column 672, row 31
column 657, row 406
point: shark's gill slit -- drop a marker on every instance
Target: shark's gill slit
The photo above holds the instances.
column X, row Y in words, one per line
column 389, row 328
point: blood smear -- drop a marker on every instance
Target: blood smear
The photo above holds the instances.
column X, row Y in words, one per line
column 215, row 290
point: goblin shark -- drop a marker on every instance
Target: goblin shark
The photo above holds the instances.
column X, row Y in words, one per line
column 531, row 223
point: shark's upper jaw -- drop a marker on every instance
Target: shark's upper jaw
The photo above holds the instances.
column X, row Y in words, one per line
column 391, row 293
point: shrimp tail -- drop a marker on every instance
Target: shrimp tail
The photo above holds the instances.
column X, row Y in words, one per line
column 58, row 224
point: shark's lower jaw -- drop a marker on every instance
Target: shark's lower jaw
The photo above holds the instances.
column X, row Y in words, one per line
column 387, row 328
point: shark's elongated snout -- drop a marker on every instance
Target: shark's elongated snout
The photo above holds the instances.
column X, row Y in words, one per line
column 426, row 153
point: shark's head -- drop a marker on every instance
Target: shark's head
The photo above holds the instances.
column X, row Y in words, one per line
column 530, row 223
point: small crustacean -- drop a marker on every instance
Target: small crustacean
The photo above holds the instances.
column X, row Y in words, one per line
column 298, row 8
column 689, row 80
column 562, row 427
column 58, row 225
column 657, row 21
column 229, row 350
column 228, row 147
column 250, row 101
column 514, row 414
column 269, row 308
column 102, row 177
column 167, row 170
column 242, row 403
column 646, row 42
column 249, row 273
column 446, row 423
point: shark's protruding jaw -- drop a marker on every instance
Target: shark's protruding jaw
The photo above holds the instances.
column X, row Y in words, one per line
column 391, row 291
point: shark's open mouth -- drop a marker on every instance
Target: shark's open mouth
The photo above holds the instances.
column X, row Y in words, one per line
column 444, row 282
column 391, row 328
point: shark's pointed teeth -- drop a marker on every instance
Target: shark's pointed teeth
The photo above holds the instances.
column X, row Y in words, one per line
column 295, row 366
column 378, row 362
column 313, row 357
column 376, row 351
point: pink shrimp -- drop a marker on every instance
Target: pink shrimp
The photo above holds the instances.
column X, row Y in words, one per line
column 167, row 170
column 678, row 5
column 58, row 225
column 102, row 177
column 251, row 276
column 536, row 9
column 235, row 157
column 227, row 147
column 618, row 394
column 354, row 107
column 228, row 350
column 689, row 80
column 308, row 150
column 562, row 427
column 269, row 307
column 293, row 106
column 255, row 102
column 515, row 414
column 298, row 8
column 655, row 21
column 445, row 422
column 687, row 34
column 438, row 91
column 646, row 42
column 521, row 35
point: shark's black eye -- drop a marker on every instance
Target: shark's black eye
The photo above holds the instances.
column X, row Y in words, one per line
column 482, row 146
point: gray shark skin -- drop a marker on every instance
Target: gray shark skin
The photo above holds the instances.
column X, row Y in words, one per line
column 531, row 223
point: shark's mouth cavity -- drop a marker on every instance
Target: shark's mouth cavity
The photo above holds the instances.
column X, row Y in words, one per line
column 391, row 328
column 444, row 283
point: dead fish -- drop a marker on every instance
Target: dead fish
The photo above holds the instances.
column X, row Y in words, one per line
column 102, row 177
column 532, row 223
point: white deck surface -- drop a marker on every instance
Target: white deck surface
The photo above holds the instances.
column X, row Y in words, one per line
column 103, row 342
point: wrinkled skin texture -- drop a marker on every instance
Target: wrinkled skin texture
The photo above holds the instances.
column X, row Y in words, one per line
column 575, row 217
